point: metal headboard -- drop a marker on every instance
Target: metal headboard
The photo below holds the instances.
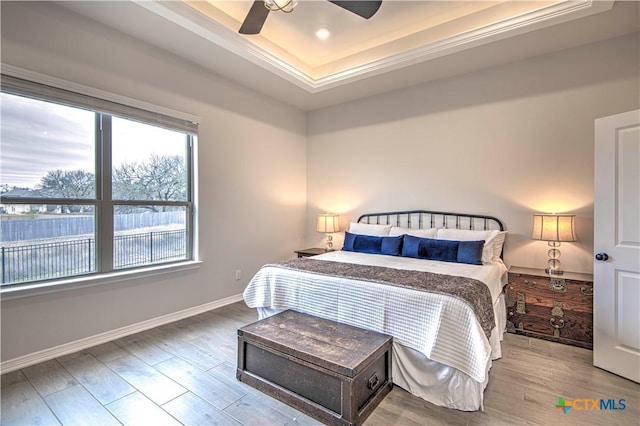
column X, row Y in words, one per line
column 430, row 219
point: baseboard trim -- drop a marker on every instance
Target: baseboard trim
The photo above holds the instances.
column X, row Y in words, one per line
column 87, row 342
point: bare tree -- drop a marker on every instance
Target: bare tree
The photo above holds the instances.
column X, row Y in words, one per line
column 68, row 184
column 161, row 178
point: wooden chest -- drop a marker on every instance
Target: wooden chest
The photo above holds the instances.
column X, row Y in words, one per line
column 333, row 372
column 558, row 308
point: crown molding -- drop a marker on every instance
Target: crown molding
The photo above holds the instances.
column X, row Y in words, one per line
column 192, row 20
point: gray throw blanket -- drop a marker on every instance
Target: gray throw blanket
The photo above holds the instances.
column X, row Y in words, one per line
column 475, row 293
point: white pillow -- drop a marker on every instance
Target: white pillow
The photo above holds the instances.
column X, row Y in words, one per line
column 471, row 235
column 498, row 242
column 422, row 233
column 369, row 229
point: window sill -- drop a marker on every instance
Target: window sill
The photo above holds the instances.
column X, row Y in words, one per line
column 36, row 289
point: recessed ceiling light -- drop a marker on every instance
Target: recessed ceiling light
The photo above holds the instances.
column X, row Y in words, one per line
column 323, row 33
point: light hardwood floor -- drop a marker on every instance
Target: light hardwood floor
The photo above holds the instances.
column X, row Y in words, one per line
column 184, row 373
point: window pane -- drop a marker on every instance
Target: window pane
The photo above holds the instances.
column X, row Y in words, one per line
column 148, row 234
column 149, row 162
column 48, row 150
column 51, row 206
column 41, row 242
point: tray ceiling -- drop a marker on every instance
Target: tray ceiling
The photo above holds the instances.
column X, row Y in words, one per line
column 404, row 43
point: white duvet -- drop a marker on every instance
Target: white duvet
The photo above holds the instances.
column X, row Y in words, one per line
column 443, row 328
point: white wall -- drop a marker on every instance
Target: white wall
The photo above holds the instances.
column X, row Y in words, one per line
column 239, row 192
column 507, row 141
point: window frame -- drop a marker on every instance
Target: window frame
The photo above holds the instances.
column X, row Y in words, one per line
column 103, row 203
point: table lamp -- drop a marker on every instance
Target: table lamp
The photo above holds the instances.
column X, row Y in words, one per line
column 553, row 228
column 328, row 223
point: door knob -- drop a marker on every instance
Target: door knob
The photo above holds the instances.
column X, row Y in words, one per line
column 602, row 257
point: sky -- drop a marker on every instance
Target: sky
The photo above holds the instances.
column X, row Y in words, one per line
column 36, row 137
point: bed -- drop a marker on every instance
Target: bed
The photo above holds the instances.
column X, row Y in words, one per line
column 432, row 280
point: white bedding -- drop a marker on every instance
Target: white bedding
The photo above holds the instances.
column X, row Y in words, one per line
column 438, row 327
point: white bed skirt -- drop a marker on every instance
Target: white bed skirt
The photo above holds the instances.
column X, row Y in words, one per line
column 435, row 382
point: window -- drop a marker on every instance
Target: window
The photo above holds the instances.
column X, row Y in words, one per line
column 88, row 186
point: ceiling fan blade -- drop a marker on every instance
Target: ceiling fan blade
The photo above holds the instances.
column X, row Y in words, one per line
column 366, row 9
column 255, row 18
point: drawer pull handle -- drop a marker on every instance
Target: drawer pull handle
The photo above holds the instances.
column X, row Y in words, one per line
column 557, row 327
column 553, row 321
column 587, row 291
column 373, row 382
column 530, row 284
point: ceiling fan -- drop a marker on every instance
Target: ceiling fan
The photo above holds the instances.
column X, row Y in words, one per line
column 260, row 10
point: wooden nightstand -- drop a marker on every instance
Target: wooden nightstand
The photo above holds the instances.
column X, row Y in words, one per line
column 310, row 252
column 557, row 308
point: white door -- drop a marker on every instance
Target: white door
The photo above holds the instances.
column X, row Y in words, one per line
column 616, row 340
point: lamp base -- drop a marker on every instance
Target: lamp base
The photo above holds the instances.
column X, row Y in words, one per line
column 553, row 264
column 329, row 246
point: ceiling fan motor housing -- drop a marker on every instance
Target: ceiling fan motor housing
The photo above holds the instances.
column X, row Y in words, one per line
column 282, row 5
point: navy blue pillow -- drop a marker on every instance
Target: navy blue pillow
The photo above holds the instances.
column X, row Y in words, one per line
column 470, row 252
column 372, row 244
column 429, row 248
column 349, row 238
column 443, row 250
column 367, row 244
column 392, row 246
column 410, row 246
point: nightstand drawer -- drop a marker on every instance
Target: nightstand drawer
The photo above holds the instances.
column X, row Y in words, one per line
column 551, row 308
column 575, row 295
column 571, row 327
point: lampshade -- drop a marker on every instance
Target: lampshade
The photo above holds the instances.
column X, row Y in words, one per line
column 328, row 222
column 553, row 227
